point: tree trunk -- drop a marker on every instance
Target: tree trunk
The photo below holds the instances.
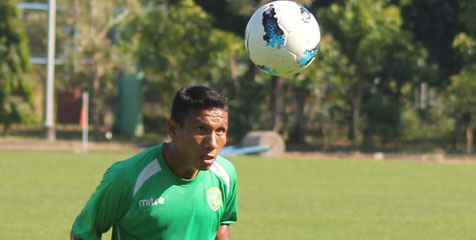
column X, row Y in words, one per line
column 276, row 102
column 469, row 140
column 287, row 113
column 95, row 109
column 300, row 128
column 455, row 137
column 325, row 135
column 354, row 131
column 236, row 83
column 97, row 100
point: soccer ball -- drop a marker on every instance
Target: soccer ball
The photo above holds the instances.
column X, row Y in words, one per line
column 282, row 38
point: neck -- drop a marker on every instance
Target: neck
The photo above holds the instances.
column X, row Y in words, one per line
column 174, row 160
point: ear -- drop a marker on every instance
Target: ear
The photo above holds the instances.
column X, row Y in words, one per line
column 172, row 126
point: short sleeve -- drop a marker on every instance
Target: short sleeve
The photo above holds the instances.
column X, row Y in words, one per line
column 230, row 215
column 106, row 206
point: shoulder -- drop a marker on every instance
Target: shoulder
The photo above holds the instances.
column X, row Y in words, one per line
column 127, row 170
column 224, row 170
column 223, row 164
column 138, row 161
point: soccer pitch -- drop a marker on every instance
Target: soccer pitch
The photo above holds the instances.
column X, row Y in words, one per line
column 279, row 198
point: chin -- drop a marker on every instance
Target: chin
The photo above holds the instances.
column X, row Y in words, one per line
column 207, row 167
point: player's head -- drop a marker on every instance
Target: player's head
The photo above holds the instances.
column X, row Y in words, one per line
column 196, row 98
column 197, row 128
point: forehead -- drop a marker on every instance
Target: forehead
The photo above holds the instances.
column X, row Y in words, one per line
column 212, row 115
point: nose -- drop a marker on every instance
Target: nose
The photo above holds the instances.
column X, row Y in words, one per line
column 211, row 141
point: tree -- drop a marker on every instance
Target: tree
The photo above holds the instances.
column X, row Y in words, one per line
column 325, row 106
column 379, row 58
column 179, row 46
column 460, row 103
column 460, row 96
column 435, row 23
column 15, row 92
column 94, row 53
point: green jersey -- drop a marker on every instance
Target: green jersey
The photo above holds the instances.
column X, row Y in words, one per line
column 141, row 198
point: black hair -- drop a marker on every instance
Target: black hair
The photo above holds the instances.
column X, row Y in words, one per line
column 193, row 98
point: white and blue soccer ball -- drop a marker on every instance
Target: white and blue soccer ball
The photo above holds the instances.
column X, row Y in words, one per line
column 282, row 38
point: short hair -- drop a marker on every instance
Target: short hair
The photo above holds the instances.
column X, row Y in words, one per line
column 193, row 98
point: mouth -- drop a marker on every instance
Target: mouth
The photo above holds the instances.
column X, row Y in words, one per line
column 208, row 159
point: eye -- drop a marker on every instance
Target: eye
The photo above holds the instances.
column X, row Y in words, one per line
column 200, row 128
column 221, row 130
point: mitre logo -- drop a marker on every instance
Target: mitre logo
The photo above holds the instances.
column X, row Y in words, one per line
column 214, row 198
column 151, row 202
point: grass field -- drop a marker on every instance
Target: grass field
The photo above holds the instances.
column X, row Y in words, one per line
column 41, row 192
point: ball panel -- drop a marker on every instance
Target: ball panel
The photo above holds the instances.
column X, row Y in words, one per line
column 283, row 61
column 259, row 53
column 254, row 30
column 274, row 34
column 297, row 43
column 307, row 57
column 268, row 70
column 290, row 17
column 312, row 32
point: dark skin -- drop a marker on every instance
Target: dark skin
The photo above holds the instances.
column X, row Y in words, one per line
column 196, row 142
column 194, row 145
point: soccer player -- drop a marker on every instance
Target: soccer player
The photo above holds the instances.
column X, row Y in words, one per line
column 180, row 189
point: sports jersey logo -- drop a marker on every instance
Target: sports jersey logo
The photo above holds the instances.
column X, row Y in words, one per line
column 214, row 198
column 151, row 202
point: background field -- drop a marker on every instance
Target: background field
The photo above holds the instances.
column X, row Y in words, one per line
column 41, row 192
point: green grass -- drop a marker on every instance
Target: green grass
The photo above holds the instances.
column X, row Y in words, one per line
column 287, row 198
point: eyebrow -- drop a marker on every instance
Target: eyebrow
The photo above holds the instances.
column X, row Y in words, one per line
column 197, row 121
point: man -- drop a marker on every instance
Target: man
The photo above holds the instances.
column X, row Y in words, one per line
column 179, row 189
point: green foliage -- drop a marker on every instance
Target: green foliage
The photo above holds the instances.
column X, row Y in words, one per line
column 179, row 46
column 426, row 125
column 176, row 51
column 15, row 90
column 249, row 108
column 93, row 41
column 435, row 24
column 468, row 8
column 371, row 60
column 461, row 101
column 460, row 95
column 92, row 53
